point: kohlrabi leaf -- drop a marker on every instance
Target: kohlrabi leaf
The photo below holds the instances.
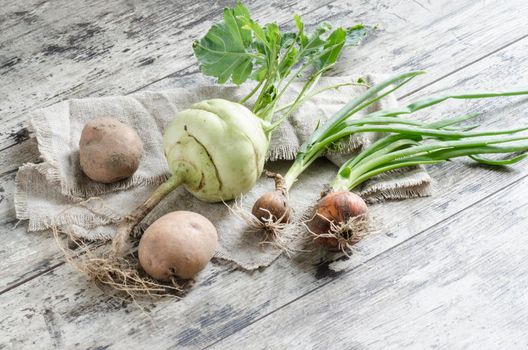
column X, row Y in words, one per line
column 267, row 98
column 334, row 43
column 355, row 34
column 300, row 28
column 331, row 49
column 240, row 48
column 314, row 41
column 288, row 39
column 260, row 34
column 289, row 59
column 274, row 36
column 225, row 51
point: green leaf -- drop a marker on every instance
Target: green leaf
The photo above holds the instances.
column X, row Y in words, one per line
column 331, row 49
column 288, row 61
column 260, row 73
column 260, row 35
column 355, row 34
column 273, row 34
column 300, row 30
column 225, row 51
column 267, row 98
column 314, row 41
column 506, row 161
column 299, row 23
column 288, row 39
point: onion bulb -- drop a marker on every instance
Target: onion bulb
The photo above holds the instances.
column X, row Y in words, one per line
column 273, row 207
column 339, row 220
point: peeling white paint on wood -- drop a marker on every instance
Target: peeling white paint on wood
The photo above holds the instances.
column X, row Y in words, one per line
column 49, row 310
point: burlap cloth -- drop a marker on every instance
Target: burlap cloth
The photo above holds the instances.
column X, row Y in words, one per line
column 56, row 192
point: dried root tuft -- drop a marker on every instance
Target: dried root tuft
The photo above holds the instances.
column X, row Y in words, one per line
column 344, row 235
column 108, row 271
column 275, row 233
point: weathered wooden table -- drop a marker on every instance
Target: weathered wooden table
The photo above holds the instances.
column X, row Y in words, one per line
column 446, row 271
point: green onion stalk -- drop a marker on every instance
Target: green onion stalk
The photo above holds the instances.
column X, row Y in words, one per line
column 340, row 216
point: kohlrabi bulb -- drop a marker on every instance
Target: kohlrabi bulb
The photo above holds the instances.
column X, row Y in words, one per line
column 219, row 148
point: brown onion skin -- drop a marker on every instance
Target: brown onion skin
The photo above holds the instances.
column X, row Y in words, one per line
column 276, row 203
column 337, row 207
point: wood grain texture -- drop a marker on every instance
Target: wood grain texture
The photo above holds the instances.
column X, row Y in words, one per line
column 30, row 254
column 50, row 310
column 461, row 284
column 403, row 42
column 382, row 47
column 225, row 301
column 7, row 191
column 501, row 60
column 76, row 49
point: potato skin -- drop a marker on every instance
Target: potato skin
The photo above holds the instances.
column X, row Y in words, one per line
column 179, row 244
column 109, row 150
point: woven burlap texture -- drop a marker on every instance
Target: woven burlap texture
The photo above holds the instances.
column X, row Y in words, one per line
column 57, row 193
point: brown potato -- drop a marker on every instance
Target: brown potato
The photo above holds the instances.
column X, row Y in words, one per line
column 109, row 150
column 178, row 244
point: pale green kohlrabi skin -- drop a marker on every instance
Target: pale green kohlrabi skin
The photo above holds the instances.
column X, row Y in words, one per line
column 218, row 147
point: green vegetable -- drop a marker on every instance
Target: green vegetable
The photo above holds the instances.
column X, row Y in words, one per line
column 409, row 142
column 239, row 48
column 410, row 148
column 217, row 148
column 342, row 125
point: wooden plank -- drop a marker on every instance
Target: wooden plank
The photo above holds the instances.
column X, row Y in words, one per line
column 377, row 47
column 30, row 254
column 439, row 24
column 7, row 191
column 461, row 284
column 96, row 306
column 90, row 48
column 225, row 301
column 16, row 155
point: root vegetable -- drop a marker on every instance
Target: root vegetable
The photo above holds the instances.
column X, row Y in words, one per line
column 217, row 148
column 109, row 150
column 331, row 211
column 179, row 244
column 340, row 220
column 273, row 206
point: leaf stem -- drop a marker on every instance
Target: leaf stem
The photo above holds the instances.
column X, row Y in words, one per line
column 319, row 91
column 252, row 92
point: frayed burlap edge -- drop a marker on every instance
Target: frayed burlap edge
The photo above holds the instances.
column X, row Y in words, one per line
column 419, row 186
column 99, row 216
